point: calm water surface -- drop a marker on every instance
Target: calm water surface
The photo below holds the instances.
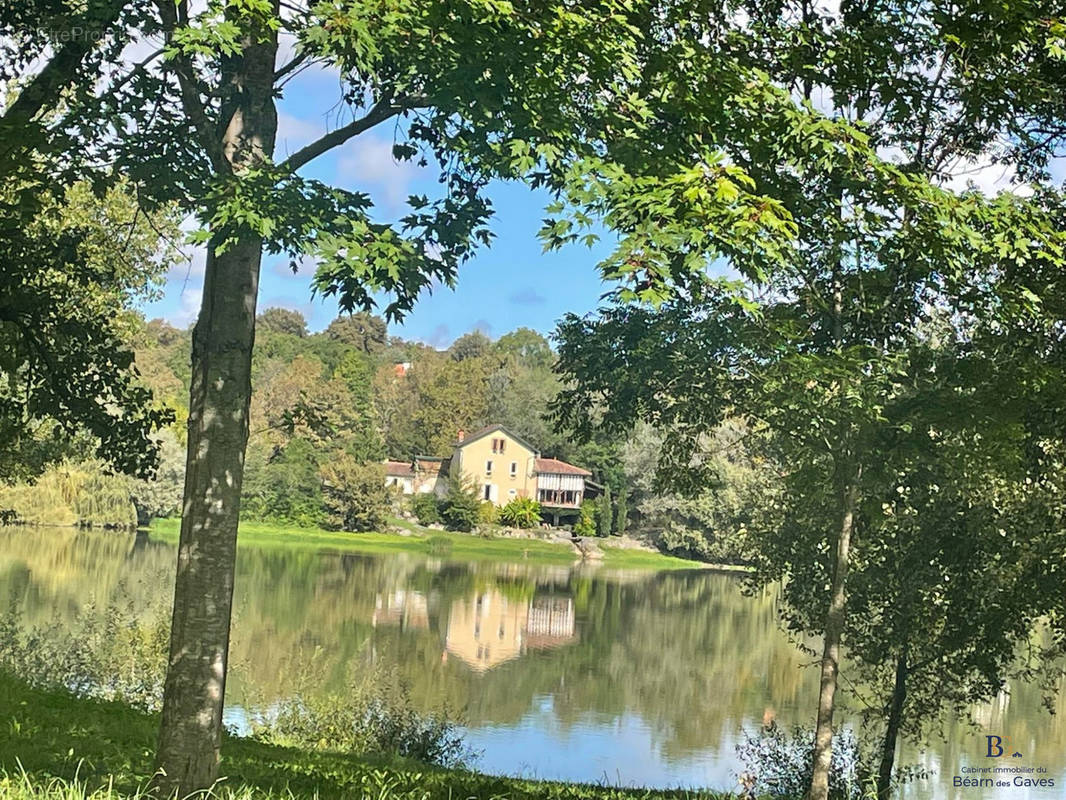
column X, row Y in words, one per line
column 629, row 678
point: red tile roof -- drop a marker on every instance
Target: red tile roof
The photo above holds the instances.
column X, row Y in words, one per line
column 554, row 466
column 399, row 469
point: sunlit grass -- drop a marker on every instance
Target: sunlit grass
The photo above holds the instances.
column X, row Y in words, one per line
column 464, row 546
column 54, row 746
column 628, row 558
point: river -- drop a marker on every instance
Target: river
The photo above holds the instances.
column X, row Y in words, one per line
column 628, row 678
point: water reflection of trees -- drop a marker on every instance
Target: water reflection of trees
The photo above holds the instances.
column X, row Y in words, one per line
column 57, row 572
column 685, row 652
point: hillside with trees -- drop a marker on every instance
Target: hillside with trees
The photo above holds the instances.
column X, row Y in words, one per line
column 328, row 407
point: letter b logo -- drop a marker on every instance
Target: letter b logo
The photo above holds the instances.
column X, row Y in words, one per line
column 995, row 746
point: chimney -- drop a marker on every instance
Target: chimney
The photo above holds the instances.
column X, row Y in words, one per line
column 462, row 434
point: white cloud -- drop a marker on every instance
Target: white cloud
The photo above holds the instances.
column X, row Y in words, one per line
column 984, row 176
column 189, row 309
column 290, row 303
column 294, row 133
column 368, row 164
column 192, row 268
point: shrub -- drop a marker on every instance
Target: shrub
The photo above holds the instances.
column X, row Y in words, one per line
column 374, row 717
column 461, row 508
column 586, row 521
column 284, row 486
column 621, row 515
column 778, row 764
column 354, row 494
column 488, row 514
column 522, row 512
column 426, row 508
column 118, row 653
column 604, row 514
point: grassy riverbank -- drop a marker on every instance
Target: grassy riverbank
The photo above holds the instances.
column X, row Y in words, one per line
column 54, row 745
column 463, row 546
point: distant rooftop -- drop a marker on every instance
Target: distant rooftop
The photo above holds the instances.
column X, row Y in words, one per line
column 553, row 466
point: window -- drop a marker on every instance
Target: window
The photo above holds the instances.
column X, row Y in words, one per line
column 488, row 491
column 488, row 467
column 498, row 444
column 514, row 468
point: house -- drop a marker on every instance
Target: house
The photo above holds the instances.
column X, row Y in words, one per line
column 502, row 465
column 422, row 474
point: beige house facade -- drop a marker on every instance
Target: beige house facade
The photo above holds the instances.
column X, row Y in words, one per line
column 502, row 466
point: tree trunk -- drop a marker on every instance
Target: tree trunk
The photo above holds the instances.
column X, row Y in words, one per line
column 834, row 629
column 191, row 727
column 895, row 718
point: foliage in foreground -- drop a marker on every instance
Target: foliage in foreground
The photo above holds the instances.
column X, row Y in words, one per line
column 778, row 765
column 58, row 747
column 120, row 656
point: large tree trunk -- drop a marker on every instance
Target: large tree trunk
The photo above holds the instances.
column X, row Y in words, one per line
column 191, row 727
column 895, row 719
column 834, row 629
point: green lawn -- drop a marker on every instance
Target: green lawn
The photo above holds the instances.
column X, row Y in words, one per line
column 54, row 746
column 462, row 546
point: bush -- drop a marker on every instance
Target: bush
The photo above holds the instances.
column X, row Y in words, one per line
column 778, row 764
column 487, row 514
column 116, row 654
column 604, row 514
column 586, row 521
column 355, row 494
column 426, row 508
column 621, row 515
column 461, row 508
column 284, row 486
column 373, row 717
column 522, row 512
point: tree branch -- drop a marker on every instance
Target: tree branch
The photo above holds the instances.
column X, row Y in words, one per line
column 380, row 112
column 44, row 90
column 296, row 61
column 191, row 101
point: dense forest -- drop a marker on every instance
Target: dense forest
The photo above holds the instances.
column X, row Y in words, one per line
column 329, row 407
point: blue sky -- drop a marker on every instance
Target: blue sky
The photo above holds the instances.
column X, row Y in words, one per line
column 508, row 285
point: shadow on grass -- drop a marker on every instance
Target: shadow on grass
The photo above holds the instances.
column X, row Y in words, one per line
column 52, row 734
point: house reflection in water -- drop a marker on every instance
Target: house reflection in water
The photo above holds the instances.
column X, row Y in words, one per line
column 403, row 608
column 489, row 629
